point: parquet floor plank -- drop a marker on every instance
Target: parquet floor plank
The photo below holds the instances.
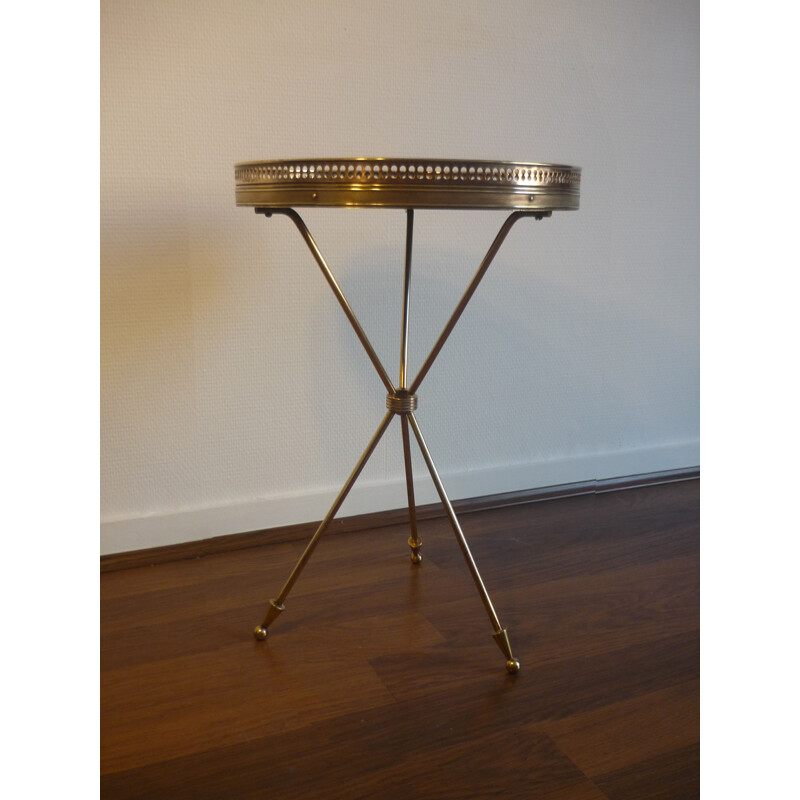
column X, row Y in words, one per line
column 670, row 776
column 632, row 731
column 381, row 680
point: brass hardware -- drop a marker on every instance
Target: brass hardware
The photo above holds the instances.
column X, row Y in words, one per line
column 401, row 402
column 535, row 189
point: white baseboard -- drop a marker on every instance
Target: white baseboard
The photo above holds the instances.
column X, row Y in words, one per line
column 157, row 530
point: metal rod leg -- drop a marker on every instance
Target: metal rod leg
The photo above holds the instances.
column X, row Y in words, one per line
column 276, row 605
column 326, row 271
column 500, row 635
column 406, row 296
column 414, row 541
column 478, row 277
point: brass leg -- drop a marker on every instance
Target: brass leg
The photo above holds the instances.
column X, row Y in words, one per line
column 500, row 635
column 401, row 401
column 462, row 304
column 276, row 605
column 414, row 542
column 326, row 271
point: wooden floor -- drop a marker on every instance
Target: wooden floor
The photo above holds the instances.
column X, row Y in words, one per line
column 382, row 680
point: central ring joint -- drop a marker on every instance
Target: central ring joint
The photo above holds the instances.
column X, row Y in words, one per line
column 401, row 402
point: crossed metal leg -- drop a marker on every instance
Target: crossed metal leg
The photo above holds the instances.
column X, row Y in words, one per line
column 401, row 401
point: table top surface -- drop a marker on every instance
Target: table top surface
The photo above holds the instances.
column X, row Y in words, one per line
column 408, row 183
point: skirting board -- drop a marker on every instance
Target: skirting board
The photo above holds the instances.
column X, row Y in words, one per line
column 123, row 536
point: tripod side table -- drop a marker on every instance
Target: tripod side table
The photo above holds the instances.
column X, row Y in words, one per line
column 526, row 189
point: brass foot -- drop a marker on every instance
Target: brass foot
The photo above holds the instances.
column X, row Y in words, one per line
column 501, row 637
column 415, row 544
column 274, row 609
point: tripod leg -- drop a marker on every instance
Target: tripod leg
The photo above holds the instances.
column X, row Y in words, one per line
column 414, row 541
column 478, row 277
column 326, row 271
column 276, row 606
column 500, row 635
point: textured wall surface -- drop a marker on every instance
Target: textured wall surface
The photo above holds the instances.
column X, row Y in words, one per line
column 234, row 394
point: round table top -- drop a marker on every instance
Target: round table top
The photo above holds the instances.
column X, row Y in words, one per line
column 407, row 183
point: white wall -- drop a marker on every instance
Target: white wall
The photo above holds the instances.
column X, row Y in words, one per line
column 235, row 396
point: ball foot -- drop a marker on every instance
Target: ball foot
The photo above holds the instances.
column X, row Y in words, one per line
column 416, row 558
column 512, row 665
column 260, row 633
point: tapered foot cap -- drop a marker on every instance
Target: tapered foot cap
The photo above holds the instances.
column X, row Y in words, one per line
column 501, row 637
column 273, row 610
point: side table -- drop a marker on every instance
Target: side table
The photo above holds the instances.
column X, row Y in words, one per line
column 526, row 189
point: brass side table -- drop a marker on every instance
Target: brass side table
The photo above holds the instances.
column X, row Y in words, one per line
column 525, row 189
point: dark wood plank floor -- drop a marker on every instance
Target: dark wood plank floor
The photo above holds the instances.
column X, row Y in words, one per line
column 381, row 679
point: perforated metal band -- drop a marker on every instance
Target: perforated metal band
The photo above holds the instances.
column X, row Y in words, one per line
column 407, row 183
